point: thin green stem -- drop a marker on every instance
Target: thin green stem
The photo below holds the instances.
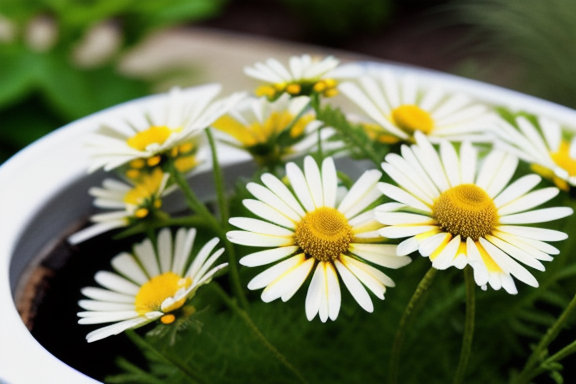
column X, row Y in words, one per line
column 550, row 334
column 468, row 326
column 532, row 368
column 301, row 113
column 352, row 135
column 248, row 320
column 319, row 139
column 192, row 200
column 196, row 205
column 143, row 344
column 563, row 353
column 218, row 180
column 527, row 376
column 401, row 330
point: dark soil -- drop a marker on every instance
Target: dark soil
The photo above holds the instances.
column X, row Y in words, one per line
column 51, row 313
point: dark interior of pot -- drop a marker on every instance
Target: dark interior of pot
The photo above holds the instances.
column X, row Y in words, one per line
column 47, row 273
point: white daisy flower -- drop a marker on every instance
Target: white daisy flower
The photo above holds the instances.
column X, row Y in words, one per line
column 162, row 129
column 148, row 285
column 549, row 149
column 130, row 203
column 269, row 131
column 308, row 231
column 400, row 107
column 458, row 213
column 304, row 76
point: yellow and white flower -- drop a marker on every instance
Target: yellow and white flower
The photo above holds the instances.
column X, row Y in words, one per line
column 457, row 215
column 549, row 149
column 163, row 129
column 399, row 106
column 130, row 203
column 271, row 131
column 308, row 231
column 148, row 285
column 304, row 76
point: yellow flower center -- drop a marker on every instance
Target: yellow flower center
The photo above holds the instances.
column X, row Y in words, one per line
column 377, row 133
column 411, row 118
column 258, row 133
column 159, row 288
column 327, row 87
column 562, row 158
column 152, row 135
column 465, row 210
column 324, row 234
column 144, row 193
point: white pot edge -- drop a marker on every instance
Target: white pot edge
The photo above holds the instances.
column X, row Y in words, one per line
column 21, row 195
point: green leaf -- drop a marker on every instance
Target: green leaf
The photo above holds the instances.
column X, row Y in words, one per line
column 75, row 93
column 19, row 69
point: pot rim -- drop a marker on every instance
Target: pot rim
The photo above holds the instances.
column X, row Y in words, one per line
column 58, row 159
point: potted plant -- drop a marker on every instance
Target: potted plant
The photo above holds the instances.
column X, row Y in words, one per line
column 339, row 200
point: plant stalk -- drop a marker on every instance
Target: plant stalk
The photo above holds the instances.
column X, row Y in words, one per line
column 248, row 320
column 196, row 205
column 531, row 369
column 142, row 343
column 218, row 180
column 401, row 330
column 468, row 326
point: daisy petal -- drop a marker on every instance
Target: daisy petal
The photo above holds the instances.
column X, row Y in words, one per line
column 356, row 289
column 271, row 274
column 537, row 216
column 258, row 240
column 314, row 295
column 268, row 256
column 286, row 285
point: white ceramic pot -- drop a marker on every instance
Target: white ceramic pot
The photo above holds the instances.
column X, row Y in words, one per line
column 39, row 198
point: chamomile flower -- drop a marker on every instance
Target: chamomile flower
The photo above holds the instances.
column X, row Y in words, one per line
column 458, row 213
column 400, row 107
column 130, row 202
column 549, row 149
column 307, row 231
column 271, row 131
column 304, row 77
column 165, row 128
column 148, row 285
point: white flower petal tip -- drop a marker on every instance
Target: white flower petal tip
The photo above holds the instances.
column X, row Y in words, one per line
column 334, row 239
column 122, row 299
column 545, row 144
column 459, row 211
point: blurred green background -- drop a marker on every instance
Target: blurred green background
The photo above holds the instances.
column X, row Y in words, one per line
column 61, row 59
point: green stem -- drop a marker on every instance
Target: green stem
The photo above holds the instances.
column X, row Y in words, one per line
column 301, row 113
column 468, row 327
column 261, row 338
column 527, row 376
column 196, row 205
column 143, row 344
column 319, row 139
column 192, row 200
column 218, row 180
column 551, row 334
column 401, row 330
column 335, row 118
column 531, row 369
column 563, row 353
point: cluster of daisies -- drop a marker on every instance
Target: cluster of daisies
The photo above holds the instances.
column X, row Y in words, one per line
column 453, row 195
